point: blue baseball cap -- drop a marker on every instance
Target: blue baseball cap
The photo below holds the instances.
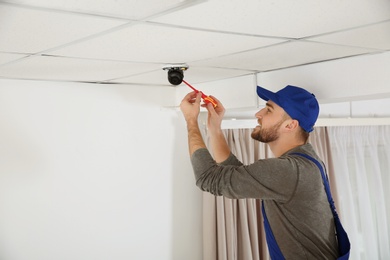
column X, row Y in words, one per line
column 298, row 103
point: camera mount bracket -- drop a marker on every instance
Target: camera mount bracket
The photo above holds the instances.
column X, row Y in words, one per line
column 178, row 66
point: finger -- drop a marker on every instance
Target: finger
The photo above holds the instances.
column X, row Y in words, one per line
column 216, row 99
column 190, row 96
column 210, row 108
column 219, row 104
column 198, row 97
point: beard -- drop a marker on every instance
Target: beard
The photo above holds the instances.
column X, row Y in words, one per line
column 267, row 135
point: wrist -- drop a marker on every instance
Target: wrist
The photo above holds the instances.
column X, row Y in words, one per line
column 192, row 122
column 215, row 131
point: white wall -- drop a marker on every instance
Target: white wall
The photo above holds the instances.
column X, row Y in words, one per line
column 94, row 172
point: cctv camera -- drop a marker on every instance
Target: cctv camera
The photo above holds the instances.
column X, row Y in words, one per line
column 175, row 76
column 175, row 73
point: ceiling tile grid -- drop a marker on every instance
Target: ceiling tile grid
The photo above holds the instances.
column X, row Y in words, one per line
column 154, row 43
column 10, row 57
column 126, row 9
column 376, row 36
column 284, row 55
column 294, row 19
column 32, row 31
column 72, row 69
column 195, row 75
column 129, row 41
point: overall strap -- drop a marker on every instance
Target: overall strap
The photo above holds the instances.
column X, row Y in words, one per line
column 325, row 181
column 342, row 237
column 273, row 247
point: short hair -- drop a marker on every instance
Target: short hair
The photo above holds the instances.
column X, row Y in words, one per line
column 302, row 134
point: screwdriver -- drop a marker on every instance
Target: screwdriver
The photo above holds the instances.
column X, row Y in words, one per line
column 205, row 98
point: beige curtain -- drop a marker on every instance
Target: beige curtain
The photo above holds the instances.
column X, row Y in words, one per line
column 233, row 229
column 361, row 159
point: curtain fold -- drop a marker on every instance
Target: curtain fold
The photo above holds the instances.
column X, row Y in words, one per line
column 361, row 159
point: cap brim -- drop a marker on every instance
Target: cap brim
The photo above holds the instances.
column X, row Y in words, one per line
column 266, row 94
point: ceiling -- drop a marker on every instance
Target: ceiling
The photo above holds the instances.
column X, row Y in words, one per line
column 129, row 41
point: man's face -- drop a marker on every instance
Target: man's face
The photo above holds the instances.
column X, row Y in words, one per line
column 270, row 119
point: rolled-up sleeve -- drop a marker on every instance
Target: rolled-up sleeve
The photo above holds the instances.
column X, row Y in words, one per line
column 232, row 179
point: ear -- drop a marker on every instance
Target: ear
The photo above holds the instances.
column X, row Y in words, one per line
column 291, row 124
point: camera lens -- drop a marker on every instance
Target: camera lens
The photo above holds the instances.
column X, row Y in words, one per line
column 175, row 77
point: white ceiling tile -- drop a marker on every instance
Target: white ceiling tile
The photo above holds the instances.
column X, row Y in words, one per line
column 193, row 75
column 30, row 31
column 156, row 77
column 204, row 74
column 219, row 39
column 131, row 9
column 8, row 57
column 375, row 36
column 151, row 43
column 283, row 55
column 298, row 18
column 57, row 68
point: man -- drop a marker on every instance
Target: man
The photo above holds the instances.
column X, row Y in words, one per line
column 298, row 220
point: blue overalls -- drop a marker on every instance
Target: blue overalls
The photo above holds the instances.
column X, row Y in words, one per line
column 342, row 237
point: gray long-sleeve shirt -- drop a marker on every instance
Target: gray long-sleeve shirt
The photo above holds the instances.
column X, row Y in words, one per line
column 293, row 195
